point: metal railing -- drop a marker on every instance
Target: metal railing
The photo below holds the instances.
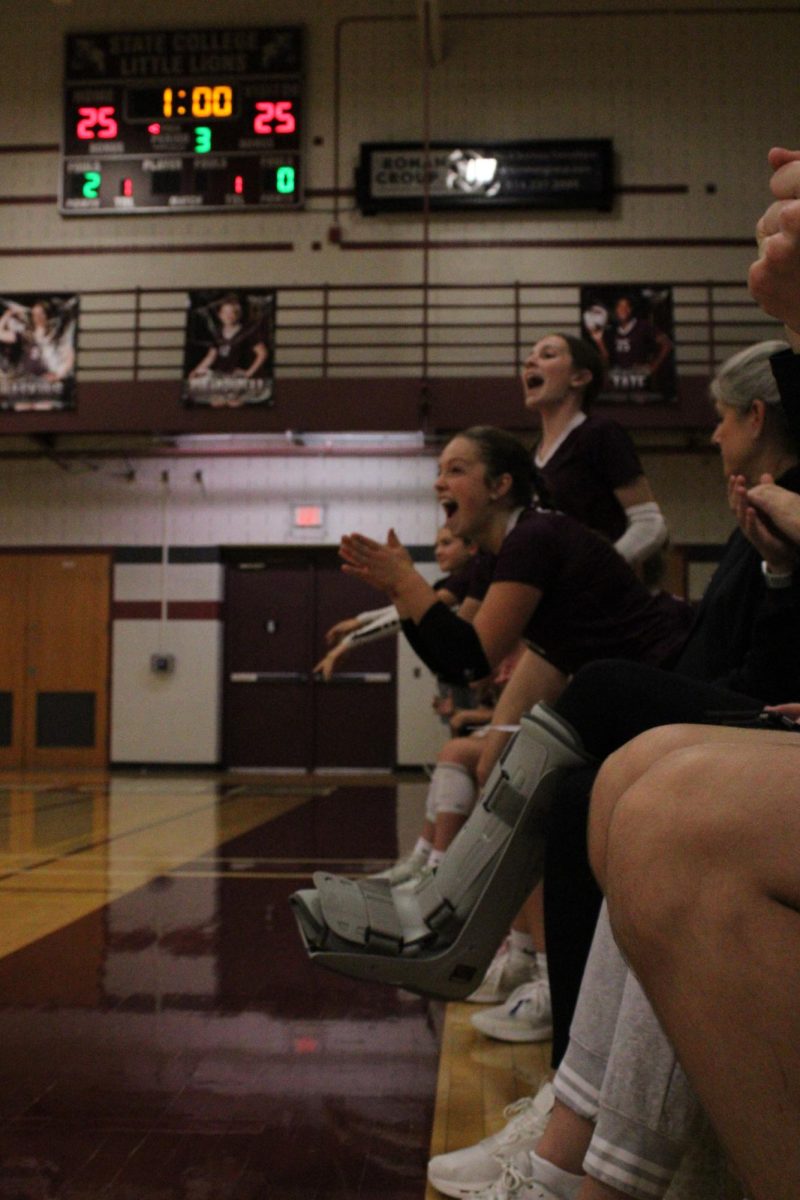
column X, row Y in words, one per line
column 341, row 330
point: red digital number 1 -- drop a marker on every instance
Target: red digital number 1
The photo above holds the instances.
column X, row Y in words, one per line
column 96, row 122
column 271, row 113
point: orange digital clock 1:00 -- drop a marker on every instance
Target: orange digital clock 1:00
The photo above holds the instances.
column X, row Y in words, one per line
column 203, row 101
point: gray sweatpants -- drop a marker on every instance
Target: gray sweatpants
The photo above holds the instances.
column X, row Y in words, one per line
column 621, row 1072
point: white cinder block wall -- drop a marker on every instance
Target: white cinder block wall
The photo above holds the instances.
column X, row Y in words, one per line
column 169, row 718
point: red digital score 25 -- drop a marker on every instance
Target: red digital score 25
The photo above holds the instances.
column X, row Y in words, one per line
column 96, row 123
column 274, row 117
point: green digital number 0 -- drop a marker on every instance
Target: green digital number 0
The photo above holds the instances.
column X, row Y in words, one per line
column 202, row 139
column 284, row 180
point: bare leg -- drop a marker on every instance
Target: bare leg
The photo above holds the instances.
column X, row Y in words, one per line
column 704, row 892
column 566, row 1139
column 623, row 768
column 533, row 910
column 447, row 826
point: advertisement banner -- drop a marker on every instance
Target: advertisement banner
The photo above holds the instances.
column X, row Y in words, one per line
column 38, row 342
column 230, row 347
column 632, row 327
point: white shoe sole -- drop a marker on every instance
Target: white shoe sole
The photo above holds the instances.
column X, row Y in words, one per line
column 514, row 1034
column 461, row 1191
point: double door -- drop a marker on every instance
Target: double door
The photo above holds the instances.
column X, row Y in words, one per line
column 276, row 714
column 54, row 613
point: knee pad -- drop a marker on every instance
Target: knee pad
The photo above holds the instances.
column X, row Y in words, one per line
column 453, row 789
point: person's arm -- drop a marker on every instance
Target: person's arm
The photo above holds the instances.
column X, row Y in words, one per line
column 791, row 710
column 532, row 680
column 7, row 334
column 388, row 567
column 470, row 717
column 260, row 354
column 768, row 597
column 778, row 553
column 457, row 650
column 67, row 357
column 349, row 624
column 663, row 350
column 779, row 504
column 613, row 458
column 384, row 623
column 447, row 597
column 600, row 342
column 774, row 278
column 336, row 632
column 647, row 529
column 326, row 665
column 468, row 608
column 205, row 363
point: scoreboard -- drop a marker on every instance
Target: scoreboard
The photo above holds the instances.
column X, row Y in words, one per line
column 183, row 120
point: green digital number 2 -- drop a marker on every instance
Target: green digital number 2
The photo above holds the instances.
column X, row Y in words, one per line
column 91, row 184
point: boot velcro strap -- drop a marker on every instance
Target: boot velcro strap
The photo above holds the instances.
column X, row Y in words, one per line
column 505, row 802
column 360, row 911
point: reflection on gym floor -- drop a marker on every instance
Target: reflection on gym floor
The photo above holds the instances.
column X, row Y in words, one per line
column 162, row 1033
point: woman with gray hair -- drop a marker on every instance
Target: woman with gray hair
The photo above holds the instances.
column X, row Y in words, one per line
column 623, row 1113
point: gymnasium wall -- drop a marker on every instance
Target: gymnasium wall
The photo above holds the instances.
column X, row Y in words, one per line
column 692, row 95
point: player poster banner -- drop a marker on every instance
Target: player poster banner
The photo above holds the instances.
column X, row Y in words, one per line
column 230, row 347
column 632, row 327
column 38, row 339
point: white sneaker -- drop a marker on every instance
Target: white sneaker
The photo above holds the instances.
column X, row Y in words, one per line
column 413, row 882
column 505, row 973
column 465, row 1173
column 516, row 1183
column 525, row 1016
column 410, row 867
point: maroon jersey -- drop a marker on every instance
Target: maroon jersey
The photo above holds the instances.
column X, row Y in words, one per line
column 592, row 604
column 581, row 475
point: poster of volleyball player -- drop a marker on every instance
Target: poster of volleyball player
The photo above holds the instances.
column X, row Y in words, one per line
column 632, row 327
column 38, row 338
column 230, row 345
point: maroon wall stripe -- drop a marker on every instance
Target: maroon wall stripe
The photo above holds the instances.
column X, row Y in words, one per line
column 546, row 243
column 194, row 610
column 149, row 248
column 177, row 610
column 28, row 200
column 30, row 148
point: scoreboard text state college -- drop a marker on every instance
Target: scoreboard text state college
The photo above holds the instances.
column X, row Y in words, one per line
column 184, row 120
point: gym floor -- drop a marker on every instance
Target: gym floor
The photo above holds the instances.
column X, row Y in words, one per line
column 163, row 1034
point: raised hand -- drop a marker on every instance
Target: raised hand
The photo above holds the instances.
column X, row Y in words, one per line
column 774, row 279
column 758, row 525
column 383, row 565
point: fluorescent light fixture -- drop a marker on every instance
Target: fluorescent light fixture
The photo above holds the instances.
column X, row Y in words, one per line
column 413, row 439
column 253, row 440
